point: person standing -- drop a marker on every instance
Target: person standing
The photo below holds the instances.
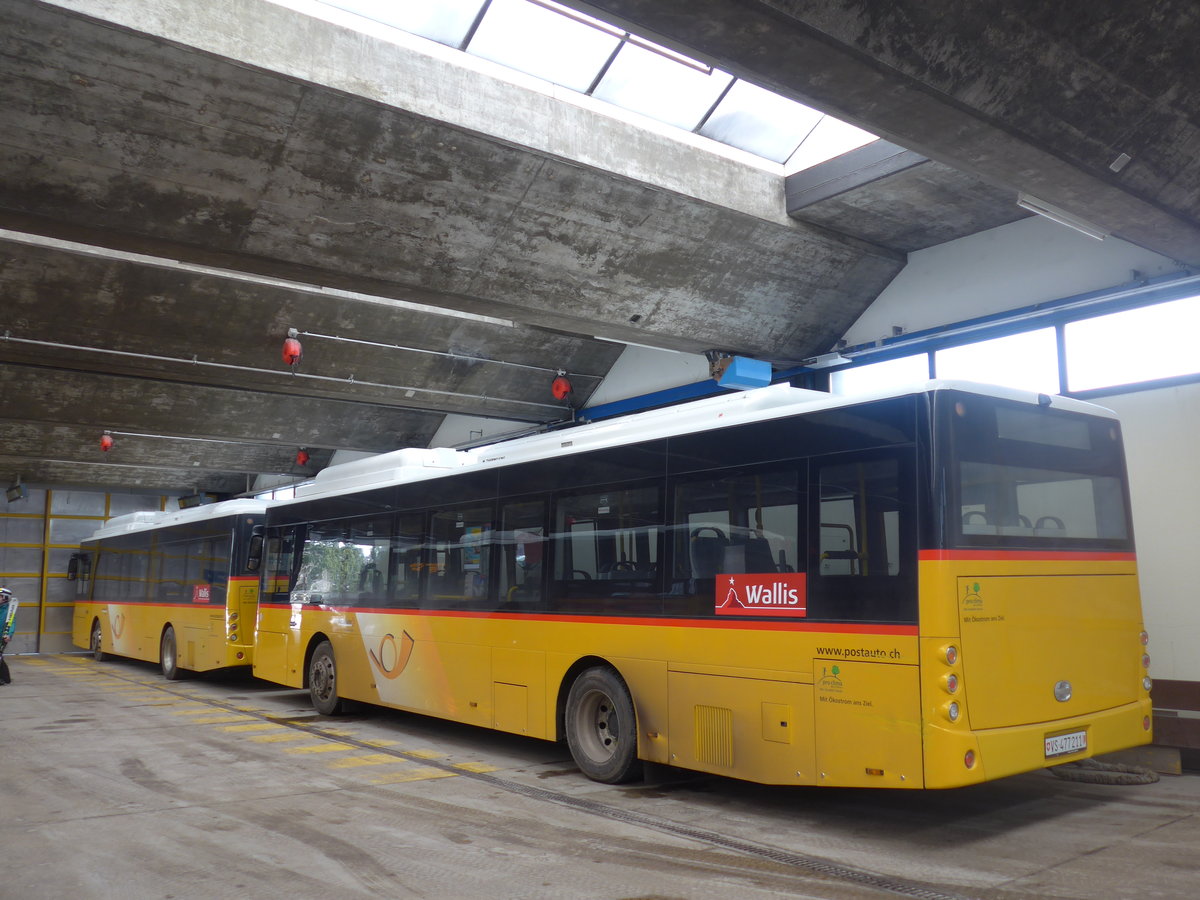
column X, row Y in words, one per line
column 8, row 624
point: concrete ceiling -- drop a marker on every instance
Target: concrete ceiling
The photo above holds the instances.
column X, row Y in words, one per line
column 171, row 213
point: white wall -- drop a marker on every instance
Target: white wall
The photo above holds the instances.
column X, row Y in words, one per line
column 1025, row 262
column 1162, row 434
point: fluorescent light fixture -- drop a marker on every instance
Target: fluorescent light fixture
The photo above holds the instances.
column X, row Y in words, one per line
column 825, row 361
column 1061, row 216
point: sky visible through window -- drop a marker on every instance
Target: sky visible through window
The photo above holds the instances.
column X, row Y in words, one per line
column 565, row 47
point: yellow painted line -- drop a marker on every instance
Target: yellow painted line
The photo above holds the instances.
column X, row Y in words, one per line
column 476, row 767
column 221, row 720
column 424, row 754
column 371, row 759
column 380, row 743
column 203, row 711
column 420, row 773
column 276, row 738
column 255, row 726
column 320, row 748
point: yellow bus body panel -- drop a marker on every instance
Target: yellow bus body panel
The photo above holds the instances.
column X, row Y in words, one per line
column 1021, row 627
column 134, row 630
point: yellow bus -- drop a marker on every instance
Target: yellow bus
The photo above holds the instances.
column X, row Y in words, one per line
column 176, row 588
column 923, row 588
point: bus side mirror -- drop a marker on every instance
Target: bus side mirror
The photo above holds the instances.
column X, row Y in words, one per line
column 73, row 568
column 79, row 567
column 255, row 551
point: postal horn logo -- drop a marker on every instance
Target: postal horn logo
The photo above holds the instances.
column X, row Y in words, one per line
column 118, row 624
column 391, row 659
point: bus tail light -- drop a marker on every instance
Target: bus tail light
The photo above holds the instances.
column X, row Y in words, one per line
column 951, row 710
column 951, row 654
column 1144, row 638
column 1147, row 683
column 950, row 683
column 969, row 759
column 1145, row 660
column 1145, row 723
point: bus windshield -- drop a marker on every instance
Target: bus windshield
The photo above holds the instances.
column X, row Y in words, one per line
column 1026, row 476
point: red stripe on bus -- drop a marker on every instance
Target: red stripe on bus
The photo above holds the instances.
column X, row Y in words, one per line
column 243, row 578
column 1018, row 555
column 774, row 625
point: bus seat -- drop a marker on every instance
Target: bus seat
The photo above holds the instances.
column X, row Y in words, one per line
column 758, row 555
column 707, row 551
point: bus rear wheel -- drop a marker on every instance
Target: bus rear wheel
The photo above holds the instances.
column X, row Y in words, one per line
column 322, row 680
column 602, row 727
column 97, row 643
column 168, row 655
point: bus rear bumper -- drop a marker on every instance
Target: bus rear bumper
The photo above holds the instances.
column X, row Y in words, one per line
column 1000, row 752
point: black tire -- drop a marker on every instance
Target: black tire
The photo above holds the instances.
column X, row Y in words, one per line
column 97, row 642
column 602, row 727
column 322, row 680
column 168, row 655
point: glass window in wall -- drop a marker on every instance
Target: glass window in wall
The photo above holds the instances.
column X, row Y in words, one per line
column 881, row 375
column 1026, row 361
column 1133, row 345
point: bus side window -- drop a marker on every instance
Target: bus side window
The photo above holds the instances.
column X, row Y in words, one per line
column 740, row 523
column 522, row 549
column 460, row 544
column 859, row 518
column 863, row 564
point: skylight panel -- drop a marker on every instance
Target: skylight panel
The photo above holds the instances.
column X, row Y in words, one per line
column 760, row 122
column 662, row 87
column 446, row 21
column 831, row 137
column 567, row 49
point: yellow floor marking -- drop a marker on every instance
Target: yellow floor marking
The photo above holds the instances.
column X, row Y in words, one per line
column 380, row 743
column 203, row 711
column 221, row 720
column 420, row 773
column 276, row 738
column 320, row 748
column 256, row 726
column 372, row 759
column 424, row 754
column 476, row 767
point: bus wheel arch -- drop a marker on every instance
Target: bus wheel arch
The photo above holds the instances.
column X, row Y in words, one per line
column 97, row 641
column 599, row 720
column 168, row 653
column 320, row 676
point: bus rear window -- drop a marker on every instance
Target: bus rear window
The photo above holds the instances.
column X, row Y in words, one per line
column 1039, row 503
column 1034, row 476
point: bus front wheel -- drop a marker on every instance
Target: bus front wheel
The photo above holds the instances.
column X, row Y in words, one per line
column 168, row 655
column 602, row 727
column 322, row 680
column 97, row 642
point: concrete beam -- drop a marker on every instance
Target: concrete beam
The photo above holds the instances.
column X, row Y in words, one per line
column 274, row 174
column 1032, row 97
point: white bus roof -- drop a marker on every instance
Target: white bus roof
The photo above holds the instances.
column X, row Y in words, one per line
column 147, row 521
column 775, row 401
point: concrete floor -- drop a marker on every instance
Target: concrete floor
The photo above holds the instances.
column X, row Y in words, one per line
column 118, row 784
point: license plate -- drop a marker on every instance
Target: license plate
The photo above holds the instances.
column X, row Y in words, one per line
column 1062, row 744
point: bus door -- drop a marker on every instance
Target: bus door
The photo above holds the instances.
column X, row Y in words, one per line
column 278, row 652
column 866, row 686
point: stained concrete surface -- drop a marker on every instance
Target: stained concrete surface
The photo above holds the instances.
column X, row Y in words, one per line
column 118, row 783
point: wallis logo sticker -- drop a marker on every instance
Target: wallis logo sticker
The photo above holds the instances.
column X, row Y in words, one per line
column 762, row 594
